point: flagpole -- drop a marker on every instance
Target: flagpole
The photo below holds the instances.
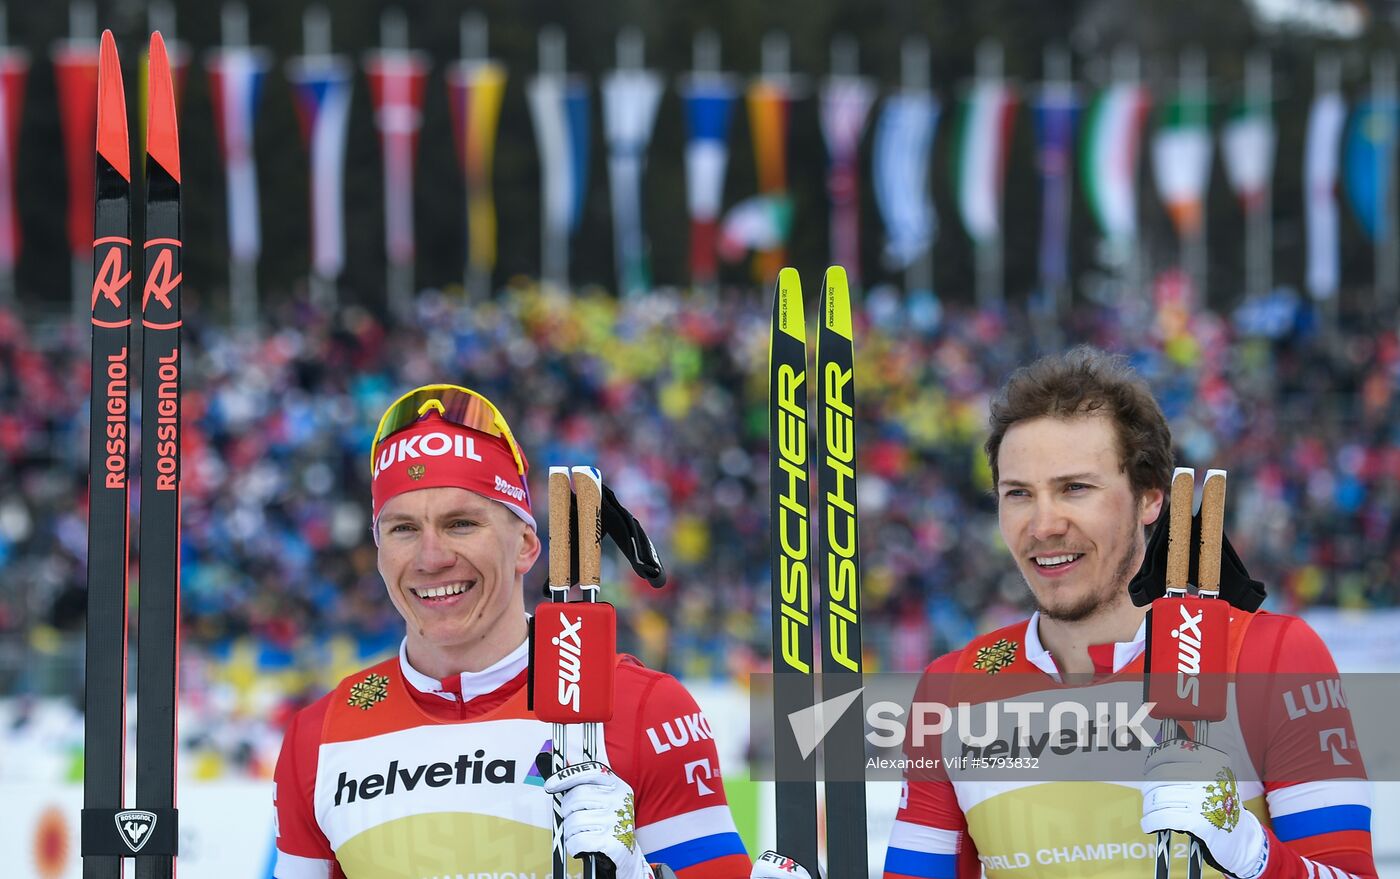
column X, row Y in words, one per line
column 705, row 54
column 988, row 250
column 1194, row 91
column 776, row 72
column 1327, row 78
column 7, row 275
column 398, row 278
column 316, row 43
column 17, row 58
column 472, row 34
column 233, row 23
column 160, row 16
column 845, row 66
column 398, row 273
column 914, row 77
column 705, row 67
column 8, row 299
column 242, row 273
column 844, row 105
column 630, row 96
column 1127, row 69
column 1259, row 228
column 554, row 243
column 1387, row 251
column 628, row 49
column 82, row 28
column 1057, row 91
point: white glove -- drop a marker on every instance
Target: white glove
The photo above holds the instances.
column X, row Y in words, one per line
column 1191, row 788
column 600, row 816
column 771, row 865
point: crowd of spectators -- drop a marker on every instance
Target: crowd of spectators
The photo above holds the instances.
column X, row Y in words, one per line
column 667, row 394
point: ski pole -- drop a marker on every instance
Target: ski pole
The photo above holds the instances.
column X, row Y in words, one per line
column 560, row 576
column 591, row 665
column 1205, row 701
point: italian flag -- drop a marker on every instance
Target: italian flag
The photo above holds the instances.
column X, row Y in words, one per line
column 984, row 132
column 1109, row 158
column 1181, row 161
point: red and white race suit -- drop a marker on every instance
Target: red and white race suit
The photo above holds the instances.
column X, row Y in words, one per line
column 395, row 775
column 1308, row 789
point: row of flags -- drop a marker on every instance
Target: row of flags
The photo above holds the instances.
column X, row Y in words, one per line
column 1109, row 131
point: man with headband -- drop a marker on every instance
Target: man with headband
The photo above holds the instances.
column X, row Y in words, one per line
column 425, row 764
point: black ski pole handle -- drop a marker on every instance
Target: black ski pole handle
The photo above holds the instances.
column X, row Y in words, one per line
column 597, row 866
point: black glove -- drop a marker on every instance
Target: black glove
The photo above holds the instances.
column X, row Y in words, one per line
column 626, row 532
column 1150, row 583
column 629, row 536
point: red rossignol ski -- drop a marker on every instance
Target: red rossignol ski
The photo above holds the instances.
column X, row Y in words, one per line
column 157, row 647
column 104, row 733
column 149, row 831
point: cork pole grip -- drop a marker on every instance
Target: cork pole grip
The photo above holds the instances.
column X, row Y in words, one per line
column 1212, row 530
column 1179, row 535
column 560, row 496
column 588, row 484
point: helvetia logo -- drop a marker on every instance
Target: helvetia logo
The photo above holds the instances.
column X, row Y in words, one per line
column 135, row 826
column 779, row 862
column 1098, row 735
column 466, row 769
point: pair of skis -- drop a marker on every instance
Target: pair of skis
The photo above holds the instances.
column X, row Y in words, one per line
column 149, row 831
column 798, row 574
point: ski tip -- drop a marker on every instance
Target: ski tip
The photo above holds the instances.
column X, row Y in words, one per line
column 788, row 316
column 836, row 312
column 111, row 109
column 163, row 139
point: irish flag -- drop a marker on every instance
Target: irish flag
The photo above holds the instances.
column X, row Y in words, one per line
column 1181, row 161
